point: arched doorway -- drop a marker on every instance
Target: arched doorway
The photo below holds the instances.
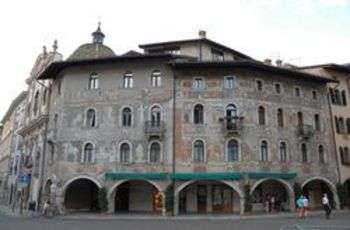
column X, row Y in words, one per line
column 314, row 189
column 81, row 195
column 201, row 197
column 137, row 196
column 347, row 193
column 272, row 195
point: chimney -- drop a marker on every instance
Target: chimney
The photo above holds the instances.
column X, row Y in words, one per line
column 267, row 61
column 279, row 62
column 202, row 34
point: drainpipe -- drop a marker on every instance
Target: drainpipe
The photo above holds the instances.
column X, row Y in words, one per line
column 174, row 142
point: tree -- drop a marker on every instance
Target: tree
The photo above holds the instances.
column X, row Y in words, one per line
column 102, row 200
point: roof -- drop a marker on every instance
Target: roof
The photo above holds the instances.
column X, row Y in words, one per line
column 91, row 50
column 14, row 105
column 205, row 40
column 132, row 53
column 330, row 66
column 56, row 67
column 253, row 65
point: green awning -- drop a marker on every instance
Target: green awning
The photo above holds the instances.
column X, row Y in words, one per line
column 274, row 175
column 136, row 176
column 207, row 176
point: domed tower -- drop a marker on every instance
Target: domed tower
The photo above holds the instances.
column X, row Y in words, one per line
column 93, row 50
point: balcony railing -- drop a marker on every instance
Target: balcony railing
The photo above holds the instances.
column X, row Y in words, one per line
column 154, row 129
column 305, row 131
column 232, row 125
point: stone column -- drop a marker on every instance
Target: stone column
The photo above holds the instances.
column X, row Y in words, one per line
column 176, row 203
column 242, row 203
column 209, row 199
column 163, row 204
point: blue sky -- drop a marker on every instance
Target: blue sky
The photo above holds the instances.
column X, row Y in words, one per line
column 302, row 32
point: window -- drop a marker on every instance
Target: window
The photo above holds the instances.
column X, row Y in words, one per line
column 231, row 111
column 127, row 116
column 198, row 151
column 297, row 92
column 155, row 115
column 51, row 148
column 341, row 125
column 156, row 78
column 232, row 151
column 36, row 103
column 88, row 150
column 280, row 120
column 317, row 122
column 128, row 80
column 337, row 97
column 304, row 155
column 348, row 125
column 337, row 127
column 300, row 119
column 154, row 153
column 277, row 88
column 343, row 96
column 198, row 114
column 321, row 155
column 198, row 83
column 314, row 95
column 261, row 115
column 229, row 82
column 125, row 153
column 344, row 155
column 264, row 154
column 90, row 118
column 332, row 95
column 93, row 81
column 259, row 85
column 283, row 152
column 217, row 55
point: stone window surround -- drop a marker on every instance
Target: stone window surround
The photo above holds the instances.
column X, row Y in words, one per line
column 131, row 158
column 93, row 156
column 149, row 152
column 85, row 118
column 204, row 151
column 239, row 150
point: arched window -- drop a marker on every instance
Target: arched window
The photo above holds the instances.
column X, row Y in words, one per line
column 317, row 122
column 332, row 95
column 321, row 155
column 261, row 115
column 337, row 127
column 348, row 125
column 125, row 153
column 283, row 152
column 264, row 151
column 88, row 151
column 304, row 155
column 156, row 115
column 337, row 97
column 198, row 151
column 156, row 78
column 198, row 114
column 126, row 119
column 232, row 151
column 36, row 103
column 93, row 81
column 154, row 155
column 300, row 119
column 341, row 125
column 128, row 80
column 280, row 120
column 91, row 118
column 259, row 85
column 278, row 88
column 343, row 96
column 231, row 115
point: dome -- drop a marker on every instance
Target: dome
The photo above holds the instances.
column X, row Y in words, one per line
column 91, row 51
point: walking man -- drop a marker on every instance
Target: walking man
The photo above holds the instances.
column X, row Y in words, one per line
column 326, row 206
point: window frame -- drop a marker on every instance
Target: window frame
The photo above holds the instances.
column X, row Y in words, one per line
column 195, row 159
column 93, row 83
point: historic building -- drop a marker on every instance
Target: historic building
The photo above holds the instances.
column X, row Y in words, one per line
column 340, row 113
column 193, row 115
column 11, row 149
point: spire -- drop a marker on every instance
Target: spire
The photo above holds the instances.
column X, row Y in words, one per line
column 54, row 46
column 98, row 36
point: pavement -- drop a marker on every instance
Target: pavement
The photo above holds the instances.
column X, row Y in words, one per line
column 286, row 221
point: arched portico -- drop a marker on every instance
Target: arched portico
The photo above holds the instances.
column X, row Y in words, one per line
column 272, row 194
column 213, row 196
column 315, row 187
column 136, row 196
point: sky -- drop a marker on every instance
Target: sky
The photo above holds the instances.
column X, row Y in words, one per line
column 301, row 32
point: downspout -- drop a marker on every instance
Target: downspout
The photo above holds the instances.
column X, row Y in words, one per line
column 174, row 141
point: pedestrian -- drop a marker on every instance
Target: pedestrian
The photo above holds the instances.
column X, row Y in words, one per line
column 46, row 208
column 300, row 206
column 273, row 203
column 326, row 206
column 305, row 206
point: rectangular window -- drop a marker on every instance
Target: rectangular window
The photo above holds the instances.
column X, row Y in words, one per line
column 217, row 55
column 229, row 82
column 198, row 83
column 259, row 85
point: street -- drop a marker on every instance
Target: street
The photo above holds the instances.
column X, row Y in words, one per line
column 339, row 221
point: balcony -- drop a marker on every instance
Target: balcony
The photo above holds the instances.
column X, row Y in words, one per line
column 154, row 129
column 232, row 126
column 305, row 131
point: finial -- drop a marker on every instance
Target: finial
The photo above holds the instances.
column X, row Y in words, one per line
column 55, row 46
column 98, row 36
column 44, row 50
